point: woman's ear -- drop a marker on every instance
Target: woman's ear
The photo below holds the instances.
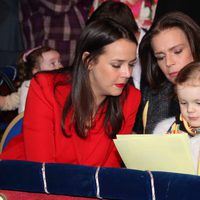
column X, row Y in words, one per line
column 86, row 60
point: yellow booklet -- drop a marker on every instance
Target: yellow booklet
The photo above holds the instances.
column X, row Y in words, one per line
column 158, row 152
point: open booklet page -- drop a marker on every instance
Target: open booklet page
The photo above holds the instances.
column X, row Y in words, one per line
column 163, row 152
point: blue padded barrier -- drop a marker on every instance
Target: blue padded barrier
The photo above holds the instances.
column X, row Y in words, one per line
column 74, row 180
column 174, row 186
column 107, row 183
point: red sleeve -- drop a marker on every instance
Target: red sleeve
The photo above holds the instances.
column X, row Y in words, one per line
column 38, row 127
column 130, row 109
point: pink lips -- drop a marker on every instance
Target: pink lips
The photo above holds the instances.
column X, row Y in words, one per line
column 173, row 74
column 120, row 85
column 193, row 118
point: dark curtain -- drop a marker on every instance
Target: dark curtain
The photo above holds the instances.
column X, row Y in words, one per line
column 189, row 7
column 11, row 42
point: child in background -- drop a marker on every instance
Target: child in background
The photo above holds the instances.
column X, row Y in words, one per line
column 187, row 88
column 32, row 61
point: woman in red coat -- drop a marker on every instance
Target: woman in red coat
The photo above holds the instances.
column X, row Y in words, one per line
column 73, row 117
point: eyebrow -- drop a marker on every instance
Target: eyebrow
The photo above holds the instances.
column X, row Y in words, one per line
column 170, row 49
column 120, row 60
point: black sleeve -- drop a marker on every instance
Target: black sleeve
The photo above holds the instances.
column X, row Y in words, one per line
column 138, row 126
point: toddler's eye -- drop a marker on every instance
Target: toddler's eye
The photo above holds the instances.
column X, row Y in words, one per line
column 182, row 103
column 53, row 63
